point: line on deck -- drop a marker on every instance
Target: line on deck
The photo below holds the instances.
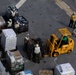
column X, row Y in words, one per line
column 20, row 3
column 65, row 7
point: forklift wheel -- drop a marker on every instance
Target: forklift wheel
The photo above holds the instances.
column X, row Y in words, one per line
column 69, row 51
column 55, row 54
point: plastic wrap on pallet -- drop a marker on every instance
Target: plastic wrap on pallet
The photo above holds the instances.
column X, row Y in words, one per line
column 8, row 39
column 64, row 69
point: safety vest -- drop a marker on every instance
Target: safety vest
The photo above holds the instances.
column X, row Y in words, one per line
column 73, row 17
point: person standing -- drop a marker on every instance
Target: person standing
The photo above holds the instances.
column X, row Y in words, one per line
column 16, row 26
column 72, row 21
column 26, row 40
column 37, row 54
column 9, row 23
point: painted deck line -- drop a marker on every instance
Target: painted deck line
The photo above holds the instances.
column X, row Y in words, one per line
column 20, row 3
column 65, row 7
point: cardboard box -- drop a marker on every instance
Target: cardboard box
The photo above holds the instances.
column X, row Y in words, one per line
column 14, row 56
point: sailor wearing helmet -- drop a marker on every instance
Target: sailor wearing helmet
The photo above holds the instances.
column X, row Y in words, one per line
column 9, row 23
column 37, row 53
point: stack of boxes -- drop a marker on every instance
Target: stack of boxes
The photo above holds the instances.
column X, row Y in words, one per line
column 13, row 56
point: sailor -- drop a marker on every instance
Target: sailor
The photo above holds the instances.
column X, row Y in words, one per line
column 65, row 39
column 37, row 54
column 26, row 40
column 16, row 26
column 9, row 23
column 13, row 12
column 27, row 37
column 72, row 21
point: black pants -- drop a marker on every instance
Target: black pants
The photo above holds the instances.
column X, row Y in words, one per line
column 72, row 24
column 37, row 58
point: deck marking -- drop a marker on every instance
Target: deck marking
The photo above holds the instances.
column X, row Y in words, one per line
column 20, row 3
column 65, row 7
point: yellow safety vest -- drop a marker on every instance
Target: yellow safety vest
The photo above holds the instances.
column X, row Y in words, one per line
column 73, row 18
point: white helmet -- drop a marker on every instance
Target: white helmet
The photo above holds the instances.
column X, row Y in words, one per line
column 23, row 24
column 17, row 22
column 10, row 19
column 13, row 8
column 37, row 45
column 27, row 34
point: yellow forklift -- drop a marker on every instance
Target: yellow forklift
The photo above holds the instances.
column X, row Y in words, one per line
column 61, row 44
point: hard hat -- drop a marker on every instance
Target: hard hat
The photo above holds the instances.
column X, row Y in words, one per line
column 10, row 19
column 23, row 24
column 74, row 13
column 37, row 45
column 17, row 22
column 27, row 37
column 27, row 34
column 13, row 8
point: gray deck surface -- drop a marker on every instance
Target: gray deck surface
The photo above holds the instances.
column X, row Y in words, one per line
column 44, row 17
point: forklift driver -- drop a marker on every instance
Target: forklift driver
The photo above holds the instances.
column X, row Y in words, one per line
column 65, row 40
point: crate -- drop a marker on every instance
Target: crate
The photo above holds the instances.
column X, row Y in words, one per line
column 64, row 69
column 45, row 72
column 8, row 39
